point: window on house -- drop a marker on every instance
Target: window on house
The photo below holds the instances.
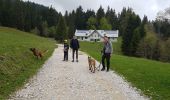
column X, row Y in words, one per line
column 91, row 39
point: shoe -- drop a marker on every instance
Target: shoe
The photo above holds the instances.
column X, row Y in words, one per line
column 77, row 60
column 102, row 69
column 63, row 60
column 107, row 70
column 72, row 60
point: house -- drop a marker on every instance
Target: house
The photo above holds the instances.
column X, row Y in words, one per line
column 96, row 35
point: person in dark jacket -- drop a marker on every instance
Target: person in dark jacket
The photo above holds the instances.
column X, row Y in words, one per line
column 74, row 44
column 66, row 48
column 107, row 51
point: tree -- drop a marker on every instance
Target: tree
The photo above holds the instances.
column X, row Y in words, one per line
column 112, row 18
column 71, row 30
column 52, row 17
column 61, row 31
column 71, row 24
column 88, row 14
column 163, row 15
column 1, row 5
column 26, row 15
column 165, row 52
column 167, row 45
column 157, row 51
column 80, row 18
column 51, row 31
column 145, row 19
column 162, row 24
column 45, row 28
column 104, row 25
column 142, row 31
column 100, row 14
column 135, row 41
column 122, row 20
column 66, row 16
column 132, row 21
column 35, row 31
column 91, row 23
column 149, row 46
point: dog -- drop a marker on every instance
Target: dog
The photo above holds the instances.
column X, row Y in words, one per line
column 37, row 53
column 92, row 64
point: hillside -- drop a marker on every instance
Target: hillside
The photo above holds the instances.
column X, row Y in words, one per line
column 151, row 77
column 17, row 63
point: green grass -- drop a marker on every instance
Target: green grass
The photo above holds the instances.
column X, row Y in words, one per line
column 17, row 63
column 117, row 46
column 151, row 77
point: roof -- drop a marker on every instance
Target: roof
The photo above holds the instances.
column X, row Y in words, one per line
column 82, row 33
column 109, row 33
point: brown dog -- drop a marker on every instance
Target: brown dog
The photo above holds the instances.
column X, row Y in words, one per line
column 37, row 53
column 92, row 64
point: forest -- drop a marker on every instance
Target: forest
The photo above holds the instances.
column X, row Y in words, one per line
column 140, row 37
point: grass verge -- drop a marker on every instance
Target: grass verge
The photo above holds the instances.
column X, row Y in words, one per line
column 151, row 77
column 17, row 63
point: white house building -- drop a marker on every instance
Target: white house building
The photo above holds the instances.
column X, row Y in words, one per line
column 96, row 35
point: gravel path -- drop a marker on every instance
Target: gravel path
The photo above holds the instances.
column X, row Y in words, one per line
column 58, row 80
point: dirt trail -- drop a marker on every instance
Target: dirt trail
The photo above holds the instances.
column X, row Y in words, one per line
column 58, row 80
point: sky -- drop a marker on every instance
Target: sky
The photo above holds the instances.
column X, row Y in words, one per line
column 150, row 8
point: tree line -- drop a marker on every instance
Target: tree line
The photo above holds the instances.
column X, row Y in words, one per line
column 143, row 38
column 140, row 37
column 27, row 15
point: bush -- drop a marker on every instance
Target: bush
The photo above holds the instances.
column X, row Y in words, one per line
column 51, row 31
column 35, row 31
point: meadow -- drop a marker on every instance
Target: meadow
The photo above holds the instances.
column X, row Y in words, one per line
column 17, row 63
column 152, row 78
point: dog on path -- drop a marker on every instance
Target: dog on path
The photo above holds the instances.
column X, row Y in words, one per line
column 38, row 53
column 92, row 64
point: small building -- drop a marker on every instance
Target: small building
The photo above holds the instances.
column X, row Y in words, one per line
column 96, row 35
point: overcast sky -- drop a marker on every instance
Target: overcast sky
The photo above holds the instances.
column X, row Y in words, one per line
column 141, row 7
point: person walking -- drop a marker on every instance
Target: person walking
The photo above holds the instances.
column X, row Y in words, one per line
column 74, row 44
column 66, row 48
column 107, row 52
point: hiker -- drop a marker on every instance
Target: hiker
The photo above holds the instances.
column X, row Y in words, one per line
column 66, row 48
column 74, row 44
column 107, row 51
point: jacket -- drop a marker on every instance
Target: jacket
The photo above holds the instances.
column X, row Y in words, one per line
column 74, row 44
column 66, row 47
column 108, row 48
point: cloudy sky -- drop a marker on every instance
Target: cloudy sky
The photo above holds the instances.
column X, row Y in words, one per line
column 141, row 7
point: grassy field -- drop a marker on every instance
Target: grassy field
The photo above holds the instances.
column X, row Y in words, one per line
column 17, row 63
column 117, row 46
column 151, row 77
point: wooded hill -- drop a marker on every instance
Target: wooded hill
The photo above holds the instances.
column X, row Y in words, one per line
column 140, row 37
